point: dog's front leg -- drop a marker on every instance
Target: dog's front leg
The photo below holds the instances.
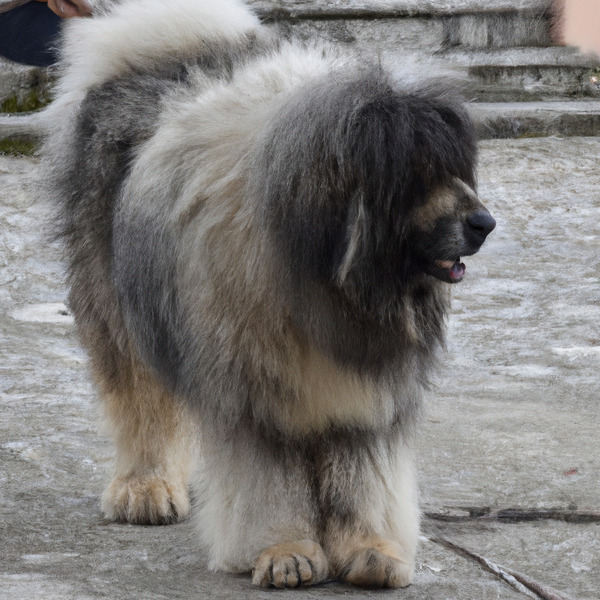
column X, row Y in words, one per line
column 370, row 516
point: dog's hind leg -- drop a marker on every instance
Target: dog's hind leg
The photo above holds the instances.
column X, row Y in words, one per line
column 155, row 449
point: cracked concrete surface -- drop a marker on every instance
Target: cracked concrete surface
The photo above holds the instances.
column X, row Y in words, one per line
column 511, row 422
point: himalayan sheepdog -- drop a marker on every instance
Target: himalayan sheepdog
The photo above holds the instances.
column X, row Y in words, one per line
column 260, row 235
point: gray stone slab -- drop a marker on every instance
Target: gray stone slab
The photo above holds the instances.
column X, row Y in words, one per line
column 511, row 420
column 22, row 126
column 498, row 120
column 342, row 8
column 23, row 87
column 485, row 25
column 428, row 36
column 531, row 84
column 498, row 29
column 524, row 339
column 422, row 34
column 558, row 56
column 519, row 74
column 525, row 74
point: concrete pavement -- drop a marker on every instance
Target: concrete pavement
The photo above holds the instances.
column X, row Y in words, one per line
column 511, row 423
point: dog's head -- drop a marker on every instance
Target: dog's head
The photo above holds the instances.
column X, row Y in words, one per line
column 370, row 186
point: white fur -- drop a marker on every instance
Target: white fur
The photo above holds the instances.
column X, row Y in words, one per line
column 239, row 516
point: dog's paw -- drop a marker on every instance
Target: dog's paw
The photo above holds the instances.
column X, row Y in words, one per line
column 378, row 567
column 291, row 565
column 145, row 501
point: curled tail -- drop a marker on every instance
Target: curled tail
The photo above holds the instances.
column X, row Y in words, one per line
column 143, row 35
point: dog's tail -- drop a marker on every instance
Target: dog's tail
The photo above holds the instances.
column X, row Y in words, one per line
column 143, row 35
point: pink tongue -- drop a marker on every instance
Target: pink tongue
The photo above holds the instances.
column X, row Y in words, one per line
column 457, row 271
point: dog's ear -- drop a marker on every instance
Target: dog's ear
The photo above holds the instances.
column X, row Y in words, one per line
column 356, row 238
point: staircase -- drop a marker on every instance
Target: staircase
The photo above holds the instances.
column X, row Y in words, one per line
column 520, row 84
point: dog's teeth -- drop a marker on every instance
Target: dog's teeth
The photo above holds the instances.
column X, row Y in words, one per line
column 445, row 264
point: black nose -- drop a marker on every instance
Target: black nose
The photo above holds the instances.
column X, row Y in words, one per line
column 481, row 223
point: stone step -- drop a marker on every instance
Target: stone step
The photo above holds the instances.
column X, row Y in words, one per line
column 501, row 120
column 423, row 33
column 503, row 46
column 427, row 26
column 23, row 88
column 526, row 74
column 396, row 8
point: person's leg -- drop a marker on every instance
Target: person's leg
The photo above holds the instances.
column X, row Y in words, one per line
column 28, row 34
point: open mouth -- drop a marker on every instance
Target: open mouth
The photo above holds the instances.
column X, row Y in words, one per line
column 450, row 271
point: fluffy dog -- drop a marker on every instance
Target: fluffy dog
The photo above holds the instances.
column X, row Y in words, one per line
column 260, row 237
